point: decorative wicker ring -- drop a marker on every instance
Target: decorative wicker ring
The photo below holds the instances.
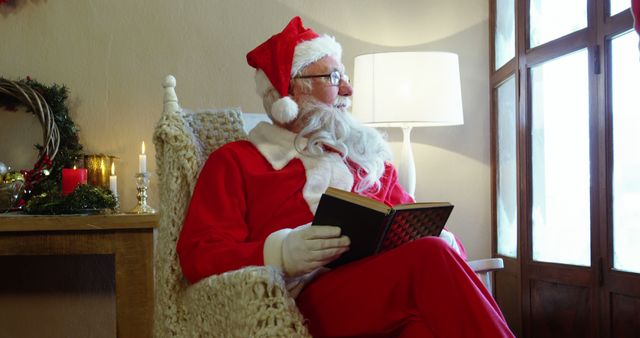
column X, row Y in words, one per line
column 37, row 105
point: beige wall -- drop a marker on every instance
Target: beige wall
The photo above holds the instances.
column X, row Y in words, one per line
column 113, row 55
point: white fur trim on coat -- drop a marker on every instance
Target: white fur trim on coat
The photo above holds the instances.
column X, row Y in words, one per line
column 450, row 239
column 272, row 248
column 277, row 146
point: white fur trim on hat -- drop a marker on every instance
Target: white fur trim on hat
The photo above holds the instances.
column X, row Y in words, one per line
column 310, row 51
column 284, row 110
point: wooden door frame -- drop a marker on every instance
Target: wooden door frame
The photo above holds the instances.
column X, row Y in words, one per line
column 600, row 277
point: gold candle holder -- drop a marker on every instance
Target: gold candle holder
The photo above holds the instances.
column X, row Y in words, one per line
column 142, row 185
column 98, row 169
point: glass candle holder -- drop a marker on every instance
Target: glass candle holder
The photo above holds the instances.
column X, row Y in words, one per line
column 142, row 185
column 98, row 169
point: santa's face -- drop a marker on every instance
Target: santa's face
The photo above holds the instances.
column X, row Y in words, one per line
column 321, row 88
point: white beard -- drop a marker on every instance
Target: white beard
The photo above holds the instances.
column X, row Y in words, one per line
column 333, row 127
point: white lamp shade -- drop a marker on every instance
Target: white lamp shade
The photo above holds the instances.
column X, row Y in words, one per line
column 407, row 89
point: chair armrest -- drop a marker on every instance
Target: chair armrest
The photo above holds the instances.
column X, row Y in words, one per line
column 250, row 302
column 484, row 265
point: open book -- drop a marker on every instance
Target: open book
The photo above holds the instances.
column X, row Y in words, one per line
column 373, row 226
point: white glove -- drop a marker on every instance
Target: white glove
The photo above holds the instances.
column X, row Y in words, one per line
column 305, row 248
column 450, row 239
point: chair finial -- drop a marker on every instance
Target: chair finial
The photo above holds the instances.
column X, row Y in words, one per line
column 170, row 97
column 169, row 81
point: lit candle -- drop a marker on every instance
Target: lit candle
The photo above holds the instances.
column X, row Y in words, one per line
column 71, row 178
column 113, row 180
column 142, row 161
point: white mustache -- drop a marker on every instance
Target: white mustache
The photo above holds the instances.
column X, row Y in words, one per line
column 342, row 102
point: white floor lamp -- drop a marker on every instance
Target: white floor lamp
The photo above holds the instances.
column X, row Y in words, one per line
column 407, row 90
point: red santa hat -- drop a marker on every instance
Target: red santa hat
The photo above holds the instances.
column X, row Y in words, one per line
column 284, row 55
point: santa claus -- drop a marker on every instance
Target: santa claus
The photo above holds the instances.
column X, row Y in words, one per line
column 254, row 200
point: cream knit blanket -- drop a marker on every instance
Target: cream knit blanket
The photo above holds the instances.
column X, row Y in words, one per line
column 251, row 302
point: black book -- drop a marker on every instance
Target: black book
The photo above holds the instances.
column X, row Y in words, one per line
column 375, row 227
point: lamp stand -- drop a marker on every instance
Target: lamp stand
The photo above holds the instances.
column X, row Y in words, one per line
column 407, row 168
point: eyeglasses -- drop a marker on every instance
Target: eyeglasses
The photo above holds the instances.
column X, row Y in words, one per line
column 334, row 77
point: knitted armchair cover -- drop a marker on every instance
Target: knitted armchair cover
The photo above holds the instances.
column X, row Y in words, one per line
column 250, row 302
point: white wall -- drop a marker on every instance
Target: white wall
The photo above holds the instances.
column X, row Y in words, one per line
column 113, row 55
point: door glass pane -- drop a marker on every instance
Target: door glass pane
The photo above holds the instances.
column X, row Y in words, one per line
column 625, row 81
column 551, row 19
column 507, row 211
column 505, row 32
column 560, row 160
column 617, row 6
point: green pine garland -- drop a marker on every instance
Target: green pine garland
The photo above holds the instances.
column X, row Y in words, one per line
column 70, row 149
column 85, row 198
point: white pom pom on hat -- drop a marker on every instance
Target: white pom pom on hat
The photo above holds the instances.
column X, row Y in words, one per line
column 284, row 110
column 283, row 55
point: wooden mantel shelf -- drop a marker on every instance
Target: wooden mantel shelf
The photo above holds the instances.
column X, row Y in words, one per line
column 21, row 222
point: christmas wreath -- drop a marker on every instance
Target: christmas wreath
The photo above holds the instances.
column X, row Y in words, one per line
column 60, row 149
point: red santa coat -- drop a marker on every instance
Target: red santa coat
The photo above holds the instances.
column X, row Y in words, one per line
column 249, row 189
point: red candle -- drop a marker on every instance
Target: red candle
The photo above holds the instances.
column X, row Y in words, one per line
column 71, row 178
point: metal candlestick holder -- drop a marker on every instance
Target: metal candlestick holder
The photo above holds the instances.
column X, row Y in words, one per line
column 116, row 209
column 142, row 185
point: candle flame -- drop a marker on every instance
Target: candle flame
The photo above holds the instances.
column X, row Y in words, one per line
column 142, row 147
column 113, row 169
column 74, row 167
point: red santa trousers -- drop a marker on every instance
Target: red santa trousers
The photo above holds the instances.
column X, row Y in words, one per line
column 420, row 289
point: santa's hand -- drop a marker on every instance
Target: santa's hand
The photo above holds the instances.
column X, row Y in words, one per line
column 305, row 248
column 450, row 239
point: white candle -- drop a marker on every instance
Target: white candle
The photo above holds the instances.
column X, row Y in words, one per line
column 142, row 161
column 113, row 180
